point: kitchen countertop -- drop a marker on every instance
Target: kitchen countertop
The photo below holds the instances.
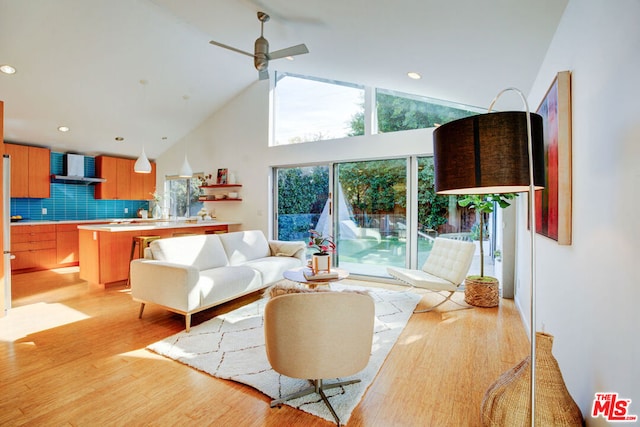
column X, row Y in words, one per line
column 152, row 225
column 115, row 224
column 83, row 221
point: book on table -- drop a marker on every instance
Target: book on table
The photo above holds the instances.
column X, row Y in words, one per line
column 320, row 275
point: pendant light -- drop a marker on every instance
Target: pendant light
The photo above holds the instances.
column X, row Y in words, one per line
column 142, row 165
column 185, row 170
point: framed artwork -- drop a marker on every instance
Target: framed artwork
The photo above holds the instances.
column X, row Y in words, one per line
column 553, row 204
column 222, row 176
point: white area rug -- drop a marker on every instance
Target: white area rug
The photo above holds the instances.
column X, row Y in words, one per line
column 231, row 346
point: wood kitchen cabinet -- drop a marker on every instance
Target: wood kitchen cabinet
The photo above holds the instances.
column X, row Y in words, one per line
column 122, row 183
column 124, row 169
column 143, row 185
column 67, row 246
column 30, row 171
column 34, row 247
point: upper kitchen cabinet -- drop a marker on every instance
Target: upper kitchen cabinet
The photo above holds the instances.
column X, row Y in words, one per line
column 30, row 171
column 143, row 184
column 124, row 170
column 106, row 168
column 122, row 183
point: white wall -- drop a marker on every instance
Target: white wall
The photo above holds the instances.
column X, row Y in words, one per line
column 588, row 293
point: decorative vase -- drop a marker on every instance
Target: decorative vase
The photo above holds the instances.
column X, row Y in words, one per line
column 508, row 401
column 156, row 212
column 481, row 292
column 321, row 262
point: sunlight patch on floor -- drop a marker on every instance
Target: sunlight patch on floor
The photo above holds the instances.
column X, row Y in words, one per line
column 65, row 270
column 29, row 319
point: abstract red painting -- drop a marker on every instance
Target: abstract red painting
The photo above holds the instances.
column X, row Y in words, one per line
column 553, row 204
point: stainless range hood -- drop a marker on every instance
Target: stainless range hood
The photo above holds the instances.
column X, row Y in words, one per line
column 74, row 172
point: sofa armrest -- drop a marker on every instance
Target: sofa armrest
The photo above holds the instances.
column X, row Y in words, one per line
column 165, row 283
column 286, row 248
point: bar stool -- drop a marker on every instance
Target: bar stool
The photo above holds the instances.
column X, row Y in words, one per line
column 184, row 234
column 142, row 242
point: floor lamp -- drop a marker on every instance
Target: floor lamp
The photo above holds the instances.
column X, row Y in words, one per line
column 493, row 153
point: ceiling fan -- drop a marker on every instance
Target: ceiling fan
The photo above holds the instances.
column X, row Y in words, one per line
column 261, row 56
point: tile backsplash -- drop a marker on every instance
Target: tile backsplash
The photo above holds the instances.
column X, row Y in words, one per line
column 74, row 201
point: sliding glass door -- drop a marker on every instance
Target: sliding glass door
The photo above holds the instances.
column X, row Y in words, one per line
column 371, row 215
column 380, row 212
column 302, row 201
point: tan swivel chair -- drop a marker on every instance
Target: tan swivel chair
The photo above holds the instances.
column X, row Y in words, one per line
column 444, row 270
column 319, row 335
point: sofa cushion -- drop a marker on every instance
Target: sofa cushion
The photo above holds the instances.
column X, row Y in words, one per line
column 271, row 268
column 225, row 283
column 203, row 251
column 243, row 246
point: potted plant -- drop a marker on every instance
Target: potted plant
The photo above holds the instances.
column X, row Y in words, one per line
column 481, row 290
column 321, row 260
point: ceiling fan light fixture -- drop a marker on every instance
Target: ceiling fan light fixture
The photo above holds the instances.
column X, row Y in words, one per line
column 142, row 165
column 261, row 54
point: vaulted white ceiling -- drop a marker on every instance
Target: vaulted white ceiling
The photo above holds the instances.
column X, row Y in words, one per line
column 80, row 62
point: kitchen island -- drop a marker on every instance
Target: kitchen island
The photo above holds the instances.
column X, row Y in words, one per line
column 105, row 249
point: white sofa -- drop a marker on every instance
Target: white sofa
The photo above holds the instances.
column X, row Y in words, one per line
column 192, row 273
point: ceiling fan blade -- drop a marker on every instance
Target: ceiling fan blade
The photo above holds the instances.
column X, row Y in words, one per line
column 231, row 48
column 263, row 75
column 290, row 51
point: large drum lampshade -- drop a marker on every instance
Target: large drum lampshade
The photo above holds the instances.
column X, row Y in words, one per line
column 488, row 153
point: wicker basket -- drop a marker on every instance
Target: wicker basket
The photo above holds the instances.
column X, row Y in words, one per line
column 481, row 293
column 508, row 401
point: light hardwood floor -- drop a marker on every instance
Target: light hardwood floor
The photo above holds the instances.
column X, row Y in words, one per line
column 73, row 353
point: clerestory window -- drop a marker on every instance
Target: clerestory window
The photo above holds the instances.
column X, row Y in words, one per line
column 313, row 109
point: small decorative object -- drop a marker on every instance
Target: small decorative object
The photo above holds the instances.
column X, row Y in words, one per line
column 222, row 176
column 320, row 262
column 233, row 195
column 232, row 178
column 202, row 213
column 507, row 402
column 156, row 212
column 321, row 259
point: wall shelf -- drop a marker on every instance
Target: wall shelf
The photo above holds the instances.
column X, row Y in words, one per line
column 221, row 186
column 210, row 196
column 205, row 199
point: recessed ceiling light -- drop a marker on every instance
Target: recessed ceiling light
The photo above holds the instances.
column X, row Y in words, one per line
column 119, row 138
column 413, row 75
column 7, row 69
column 63, row 128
